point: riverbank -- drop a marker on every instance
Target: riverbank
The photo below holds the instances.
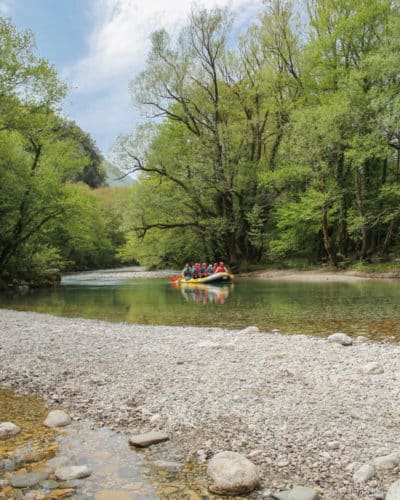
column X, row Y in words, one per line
column 321, row 275
column 302, row 408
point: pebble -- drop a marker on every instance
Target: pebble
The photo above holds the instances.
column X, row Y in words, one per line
column 302, row 493
column 393, row 492
column 250, row 329
column 49, row 484
column 333, row 445
column 8, row 429
column 340, row 338
column 169, row 466
column 364, row 473
column 147, row 439
column 387, row 462
column 69, row 472
column 57, row 418
column 28, row 479
column 373, row 368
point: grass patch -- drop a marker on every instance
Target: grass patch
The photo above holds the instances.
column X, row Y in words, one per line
column 376, row 267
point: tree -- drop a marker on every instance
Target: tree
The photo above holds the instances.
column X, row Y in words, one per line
column 217, row 124
column 40, row 154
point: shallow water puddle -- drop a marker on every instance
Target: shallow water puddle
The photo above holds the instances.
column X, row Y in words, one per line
column 118, row 471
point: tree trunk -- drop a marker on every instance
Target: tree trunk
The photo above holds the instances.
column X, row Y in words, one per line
column 327, row 239
column 361, row 213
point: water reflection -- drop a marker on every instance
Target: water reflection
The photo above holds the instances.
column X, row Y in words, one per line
column 202, row 294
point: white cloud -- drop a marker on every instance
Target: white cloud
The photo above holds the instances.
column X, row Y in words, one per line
column 118, row 46
column 5, row 7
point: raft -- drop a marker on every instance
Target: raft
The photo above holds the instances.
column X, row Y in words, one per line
column 212, row 278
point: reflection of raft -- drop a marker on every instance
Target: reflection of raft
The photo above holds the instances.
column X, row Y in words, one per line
column 201, row 293
column 212, row 278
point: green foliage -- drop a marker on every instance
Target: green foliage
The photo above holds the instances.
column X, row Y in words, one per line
column 288, row 146
column 45, row 221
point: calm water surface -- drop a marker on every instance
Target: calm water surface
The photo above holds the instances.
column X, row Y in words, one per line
column 360, row 308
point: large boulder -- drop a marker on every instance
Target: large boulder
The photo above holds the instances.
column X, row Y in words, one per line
column 232, row 474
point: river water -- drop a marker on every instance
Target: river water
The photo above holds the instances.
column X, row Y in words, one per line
column 369, row 307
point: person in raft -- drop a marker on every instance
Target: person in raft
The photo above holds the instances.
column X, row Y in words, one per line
column 203, row 270
column 187, row 271
column 221, row 268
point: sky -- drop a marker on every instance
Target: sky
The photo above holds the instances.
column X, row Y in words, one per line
column 99, row 46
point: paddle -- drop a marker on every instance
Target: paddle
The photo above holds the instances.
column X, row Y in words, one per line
column 176, row 278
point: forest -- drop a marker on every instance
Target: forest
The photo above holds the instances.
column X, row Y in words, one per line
column 275, row 144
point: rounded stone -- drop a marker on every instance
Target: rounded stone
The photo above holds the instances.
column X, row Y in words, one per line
column 250, row 329
column 232, row 474
column 340, row 338
column 393, row 491
column 72, row 472
column 8, row 429
column 364, row 473
column 28, row 479
column 57, row 418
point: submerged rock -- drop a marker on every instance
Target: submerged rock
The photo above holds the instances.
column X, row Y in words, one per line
column 232, row 474
column 8, row 429
column 168, row 466
column 72, row 472
column 28, row 479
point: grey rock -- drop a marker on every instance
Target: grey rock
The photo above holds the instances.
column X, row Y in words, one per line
column 72, row 472
column 32, row 495
column 364, row 473
column 393, row 491
column 57, row 418
column 56, row 462
column 340, row 338
column 373, row 368
column 168, row 466
column 28, row 479
column 281, row 495
column 387, row 462
column 250, row 329
column 302, row 493
column 49, row 484
column 147, row 439
column 333, row 445
column 8, row 429
column 232, row 474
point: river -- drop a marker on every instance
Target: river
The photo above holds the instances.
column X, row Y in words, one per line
column 366, row 307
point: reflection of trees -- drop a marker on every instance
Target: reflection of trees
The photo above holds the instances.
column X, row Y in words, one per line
column 201, row 294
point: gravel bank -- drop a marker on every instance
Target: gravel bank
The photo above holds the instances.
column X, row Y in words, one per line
column 299, row 406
